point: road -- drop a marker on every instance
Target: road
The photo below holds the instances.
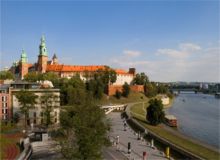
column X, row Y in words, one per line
column 137, row 146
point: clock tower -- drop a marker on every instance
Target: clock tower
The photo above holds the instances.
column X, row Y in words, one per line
column 42, row 57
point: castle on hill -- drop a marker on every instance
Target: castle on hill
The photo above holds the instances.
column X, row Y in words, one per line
column 43, row 64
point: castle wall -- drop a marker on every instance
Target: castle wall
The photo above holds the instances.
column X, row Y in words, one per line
column 113, row 88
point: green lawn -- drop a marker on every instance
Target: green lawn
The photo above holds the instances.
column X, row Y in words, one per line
column 133, row 97
column 137, row 112
column 139, row 108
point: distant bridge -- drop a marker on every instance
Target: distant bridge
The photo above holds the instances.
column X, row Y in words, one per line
column 179, row 90
column 110, row 108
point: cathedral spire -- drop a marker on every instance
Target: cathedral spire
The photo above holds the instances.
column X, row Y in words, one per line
column 42, row 47
column 23, row 57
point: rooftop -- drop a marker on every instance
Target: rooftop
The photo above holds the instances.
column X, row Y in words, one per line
column 169, row 116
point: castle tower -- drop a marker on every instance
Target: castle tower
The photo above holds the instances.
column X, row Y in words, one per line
column 54, row 59
column 23, row 64
column 42, row 57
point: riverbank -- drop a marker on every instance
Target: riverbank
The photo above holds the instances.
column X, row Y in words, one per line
column 198, row 116
column 175, row 137
column 170, row 103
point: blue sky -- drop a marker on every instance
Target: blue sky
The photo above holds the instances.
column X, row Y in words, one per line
column 168, row 40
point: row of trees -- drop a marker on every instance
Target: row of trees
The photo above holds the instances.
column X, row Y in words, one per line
column 96, row 83
column 151, row 89
column 6, row 75
column 36, row 76
column 28, row 100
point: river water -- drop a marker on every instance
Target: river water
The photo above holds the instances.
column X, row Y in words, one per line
column 198, row 116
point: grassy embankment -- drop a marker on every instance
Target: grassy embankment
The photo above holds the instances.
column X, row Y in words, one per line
column 133, row 97
column 138, row 112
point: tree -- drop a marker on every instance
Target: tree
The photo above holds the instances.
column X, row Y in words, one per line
column 155, row 113
column 161, row 88
column 6, row 75
column 73, row 94
column 33, row 77
column 50, row 76
column 36, row 76
column 85, row 130
column 16, row 117
column 125, row 89
column 96, row 87
column 150, row 90
column 48, row 103
column 141, row 79
column 118, row 94
column 27, row 101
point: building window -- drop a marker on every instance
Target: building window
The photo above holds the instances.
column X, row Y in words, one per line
column 55, row 113
column 28, row 122
column 4, row 105
column 55, row 120
column 41, row 114
column 5, row 117
column 6, row 111
column 35, row 114
column 41, row 121
column 3, row 111
column 35, row 121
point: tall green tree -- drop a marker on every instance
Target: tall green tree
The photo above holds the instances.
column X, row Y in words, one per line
column 48, row 103
column 125, row 90
column 155, row 114
column 27, row 101
column 141, row 79
column 118, row 94
column 150, row 90
column 85, row 130
column 6, row 75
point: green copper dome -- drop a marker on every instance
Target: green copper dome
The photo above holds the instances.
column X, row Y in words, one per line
column 23, row 57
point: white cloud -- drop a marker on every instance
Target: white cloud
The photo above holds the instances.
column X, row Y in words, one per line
column 187, row 63
column 189, row 47
column 171, row 53
column 184, row 50
column 131, row 53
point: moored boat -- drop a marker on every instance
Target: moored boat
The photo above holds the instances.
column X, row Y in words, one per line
column 171, row 120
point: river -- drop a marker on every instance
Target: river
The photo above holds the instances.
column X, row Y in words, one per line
column 198, row 116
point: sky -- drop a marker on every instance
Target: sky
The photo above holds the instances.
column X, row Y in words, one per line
column 168, row 40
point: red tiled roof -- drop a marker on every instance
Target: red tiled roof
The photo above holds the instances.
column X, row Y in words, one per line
column 30, row 65
column 69, row 68
column 120, row 71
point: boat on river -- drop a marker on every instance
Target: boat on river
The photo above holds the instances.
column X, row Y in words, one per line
column 171, row 120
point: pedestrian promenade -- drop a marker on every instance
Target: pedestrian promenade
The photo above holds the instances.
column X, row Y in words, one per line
column 120, row 139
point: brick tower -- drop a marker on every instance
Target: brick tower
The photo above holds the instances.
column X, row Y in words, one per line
column 23, row 65
column 42, row 57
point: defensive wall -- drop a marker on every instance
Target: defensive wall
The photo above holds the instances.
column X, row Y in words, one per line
column 113, row 88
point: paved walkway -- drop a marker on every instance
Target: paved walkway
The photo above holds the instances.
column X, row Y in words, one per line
column 137, row 146
column 45, row 150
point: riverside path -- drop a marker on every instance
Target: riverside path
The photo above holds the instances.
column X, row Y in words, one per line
column 137, row 146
